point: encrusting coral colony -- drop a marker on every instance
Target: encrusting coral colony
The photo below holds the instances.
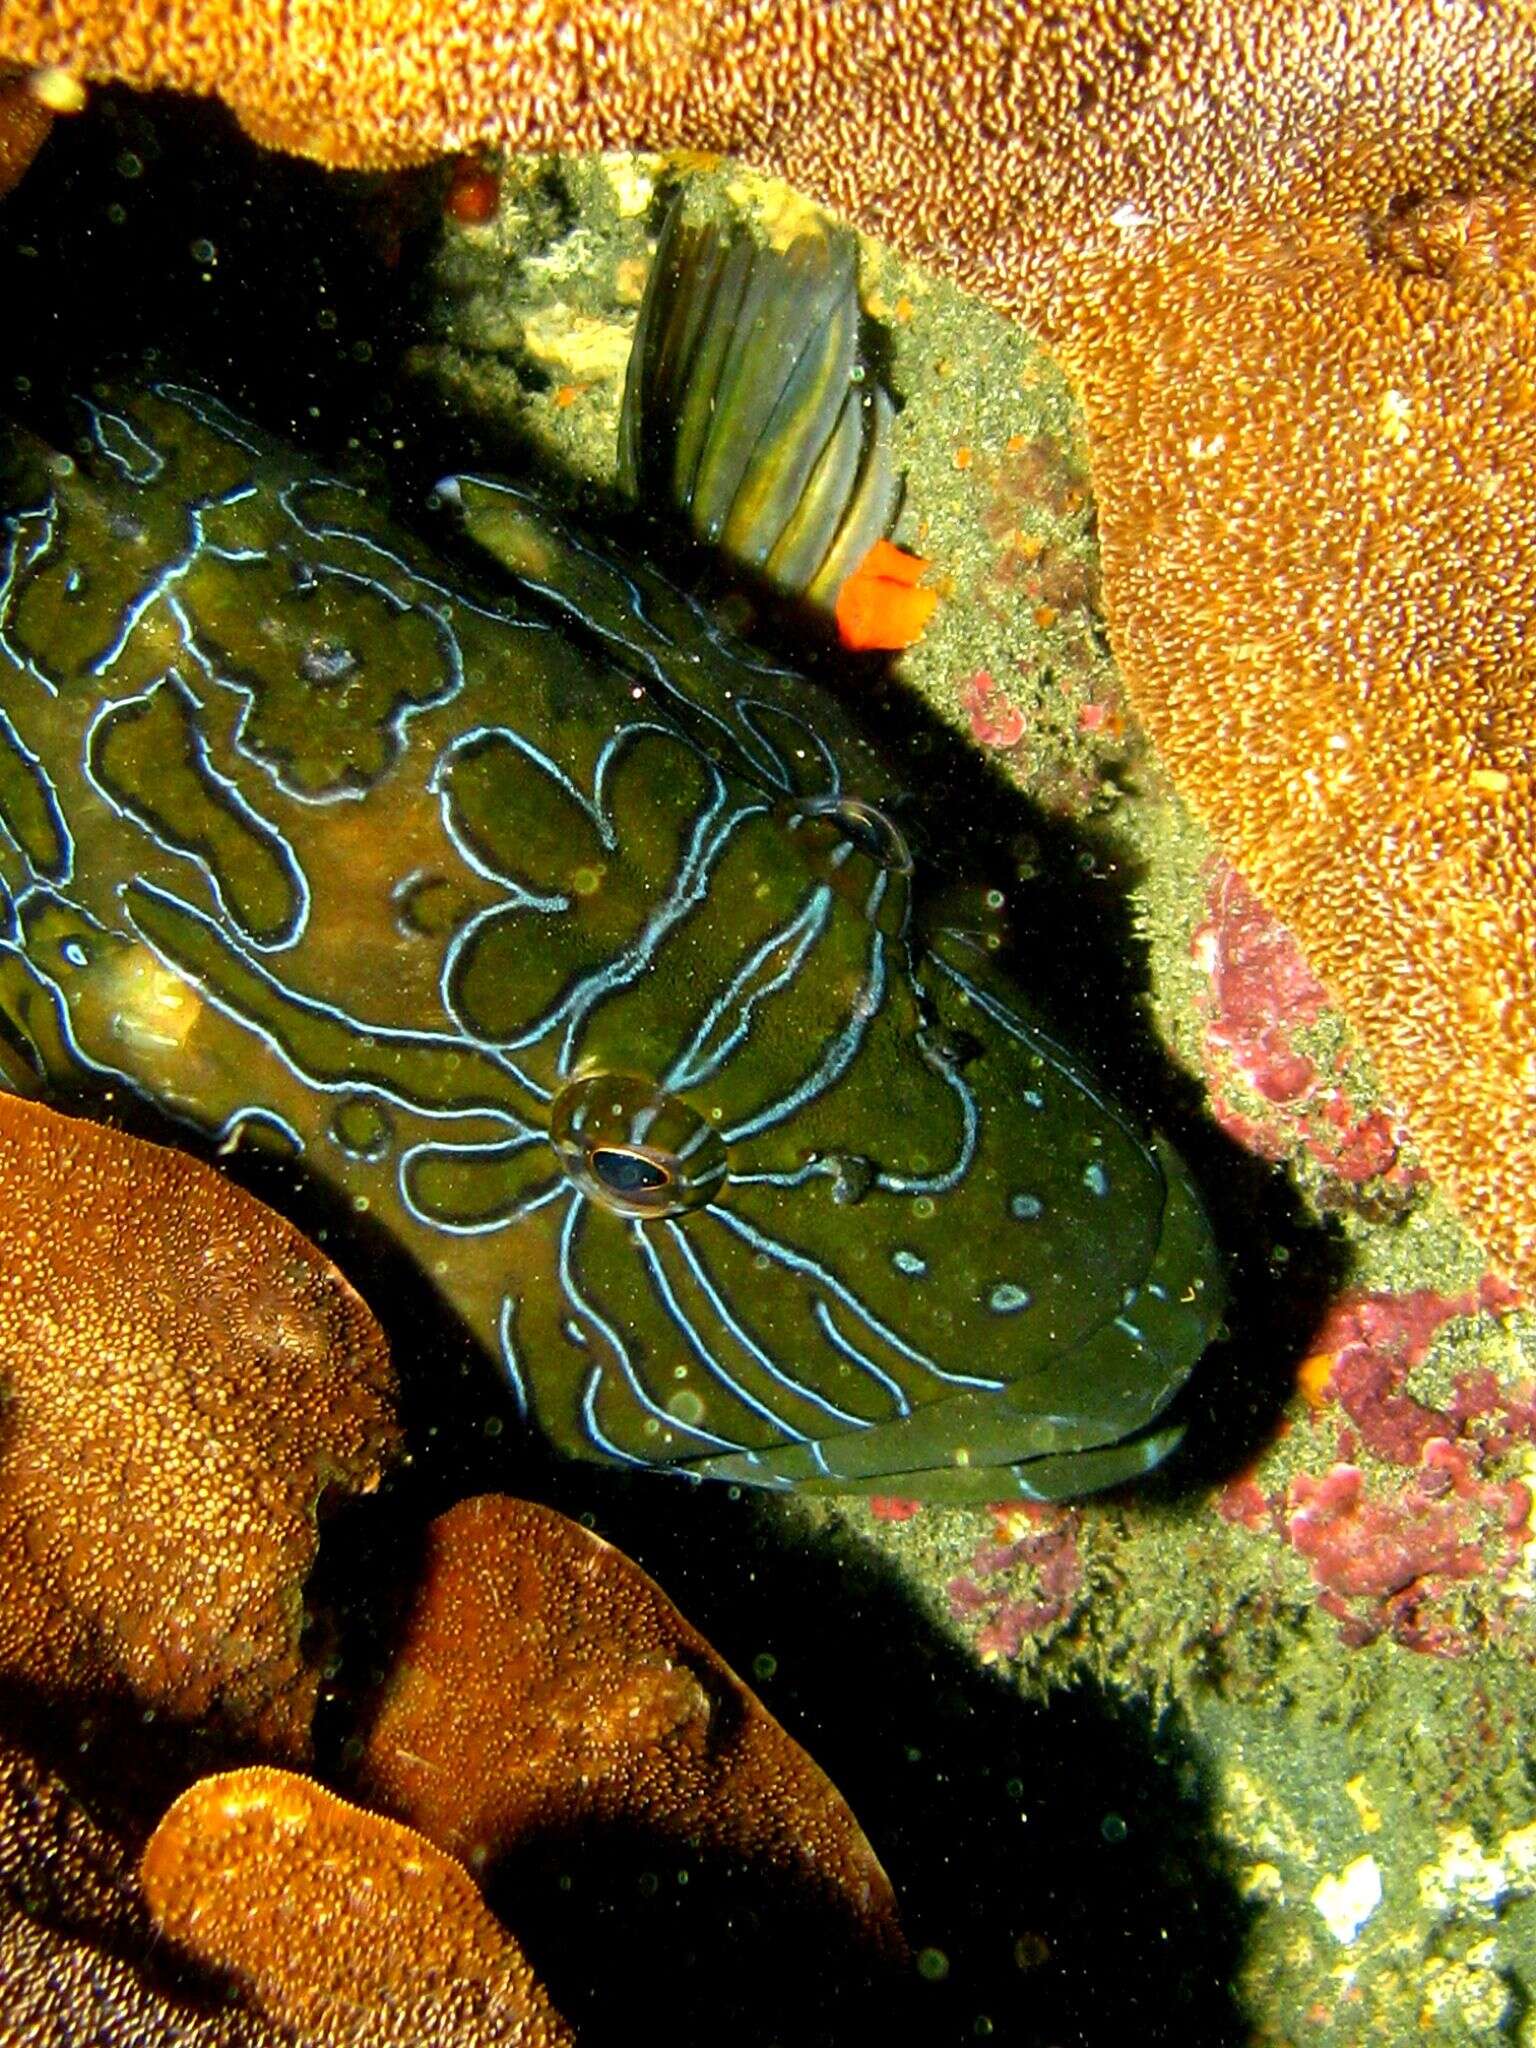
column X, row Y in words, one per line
column 1286, row 250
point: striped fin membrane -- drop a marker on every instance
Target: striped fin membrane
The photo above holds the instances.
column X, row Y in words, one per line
column 748, row 409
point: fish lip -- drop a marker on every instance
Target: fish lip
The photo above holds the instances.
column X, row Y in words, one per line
column 1114, row 1438
column 1176, row 1308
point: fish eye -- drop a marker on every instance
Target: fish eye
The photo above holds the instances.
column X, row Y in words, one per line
column 628, row 1173
column 865, row 826
column 631, row 1147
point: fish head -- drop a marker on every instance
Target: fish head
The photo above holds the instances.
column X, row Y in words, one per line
column 841, row 1214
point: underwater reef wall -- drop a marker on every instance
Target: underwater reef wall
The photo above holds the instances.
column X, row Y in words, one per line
column 1320, row 1619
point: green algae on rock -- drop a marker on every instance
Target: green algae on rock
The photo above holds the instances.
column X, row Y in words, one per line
column 575, row 942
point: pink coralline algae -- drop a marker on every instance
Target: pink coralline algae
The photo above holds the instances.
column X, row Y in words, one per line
column 1024, row 1583
column 995, row 722
column 1095, row 717
column 1266, row 1091
column 1419, row 1499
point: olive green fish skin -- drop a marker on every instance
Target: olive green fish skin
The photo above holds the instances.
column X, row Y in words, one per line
column 569, row 942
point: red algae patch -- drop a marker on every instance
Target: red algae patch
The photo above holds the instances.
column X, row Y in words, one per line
column 1418, row 1499
column 1025, row 1582
column 995, row 721
column 473, row 193
column 893, row 1507
column 1268, row 1090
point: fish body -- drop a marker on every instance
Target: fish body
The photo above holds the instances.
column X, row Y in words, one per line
column 574, row 944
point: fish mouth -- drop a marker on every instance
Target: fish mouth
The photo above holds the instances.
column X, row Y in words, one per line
column 1110, row 1387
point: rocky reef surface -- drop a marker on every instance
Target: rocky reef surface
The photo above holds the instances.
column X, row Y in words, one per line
column 1238, row 1755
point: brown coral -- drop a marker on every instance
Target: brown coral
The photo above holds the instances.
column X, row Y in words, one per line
column 543, row 1681
column 1286, row 247
column 181, row 1377
column 75, row 1940
column 350, row 1929
column 1316, row 459
column 24, row 124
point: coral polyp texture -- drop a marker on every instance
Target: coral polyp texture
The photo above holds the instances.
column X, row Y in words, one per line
column 182, row 1377
column 75, row 1934
column 337, row 1923
column 1285, row 249
column 582, row 1695
column 184, row 1380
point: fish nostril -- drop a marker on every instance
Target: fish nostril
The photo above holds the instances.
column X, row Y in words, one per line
column 865, row 826
column 945, row 1050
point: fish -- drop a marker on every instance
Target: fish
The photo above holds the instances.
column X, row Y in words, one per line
column 573, row 941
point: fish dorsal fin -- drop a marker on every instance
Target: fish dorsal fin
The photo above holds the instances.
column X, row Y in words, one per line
column 748, row 409
column 749, row 416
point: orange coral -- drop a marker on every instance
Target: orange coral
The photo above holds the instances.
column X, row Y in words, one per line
column 349, row 1929
column 579, row 1693
column 881, row 605
column 1286, row 248
column 1316, row 459
column 181, row 1376
column 74, row 1936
